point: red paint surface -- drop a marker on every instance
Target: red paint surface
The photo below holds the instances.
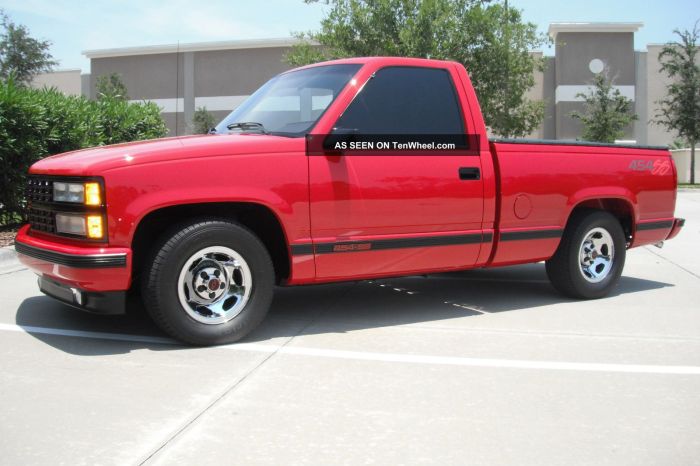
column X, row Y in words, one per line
column 337, row 199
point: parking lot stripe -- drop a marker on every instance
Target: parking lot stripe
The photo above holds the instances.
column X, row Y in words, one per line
column 379, row 357
column 85, row 334
column 494, row 363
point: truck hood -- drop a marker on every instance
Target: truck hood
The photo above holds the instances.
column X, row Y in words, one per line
column 96, row 160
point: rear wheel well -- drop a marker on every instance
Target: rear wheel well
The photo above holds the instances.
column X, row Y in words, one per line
column 619, row 208
column 257, row 218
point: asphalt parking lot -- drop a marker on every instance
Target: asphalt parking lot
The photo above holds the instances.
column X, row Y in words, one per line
column 480, row 367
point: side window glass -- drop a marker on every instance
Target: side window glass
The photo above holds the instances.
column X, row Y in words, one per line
column 405, row 100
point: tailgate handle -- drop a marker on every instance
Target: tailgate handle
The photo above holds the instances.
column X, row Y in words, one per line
column 469, row 173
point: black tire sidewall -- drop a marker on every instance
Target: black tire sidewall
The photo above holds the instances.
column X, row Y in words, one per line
column 181, row 247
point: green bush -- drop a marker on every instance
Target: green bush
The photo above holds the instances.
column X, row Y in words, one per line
column 36, row 123
column 203, row 121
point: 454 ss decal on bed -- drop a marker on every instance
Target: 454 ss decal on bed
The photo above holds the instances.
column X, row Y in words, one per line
column 656, row 167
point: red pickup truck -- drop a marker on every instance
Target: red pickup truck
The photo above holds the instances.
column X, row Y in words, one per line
column 203, row 227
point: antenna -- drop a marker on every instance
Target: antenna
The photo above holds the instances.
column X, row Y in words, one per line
column 506, row 33
column 177, row 87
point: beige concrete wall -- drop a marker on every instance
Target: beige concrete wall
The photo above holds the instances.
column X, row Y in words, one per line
column 681, row 158
column 151, row 77
column 218, row 80
column 236, row 72
column 640, row 98
column 536, row 93
column 548, row 92
column 66, row 81
column 574, row 52
column 656, row 90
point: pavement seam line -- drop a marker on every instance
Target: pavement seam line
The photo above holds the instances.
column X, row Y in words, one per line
column 195, row 418
column 233, row 387
column 12, row 271
column 648, row 248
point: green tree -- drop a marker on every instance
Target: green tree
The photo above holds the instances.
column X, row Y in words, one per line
column 489, row 39
column 111, row 86
column 680, row 109
column 35, row 123
column 203, row 120
column 607, row 112
column 20, row 54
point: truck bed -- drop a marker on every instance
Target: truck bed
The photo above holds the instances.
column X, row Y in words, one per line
column 539, row 183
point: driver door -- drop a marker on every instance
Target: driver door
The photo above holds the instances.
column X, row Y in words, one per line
column 377, row 214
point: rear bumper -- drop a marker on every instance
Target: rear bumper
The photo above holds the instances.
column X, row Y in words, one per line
column 90, row 269
column 678, row 223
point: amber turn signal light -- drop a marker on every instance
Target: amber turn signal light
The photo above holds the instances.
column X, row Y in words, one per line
column 92, row 194
column 94, row 227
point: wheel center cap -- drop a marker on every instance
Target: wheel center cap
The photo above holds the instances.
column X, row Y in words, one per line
column 214, row 284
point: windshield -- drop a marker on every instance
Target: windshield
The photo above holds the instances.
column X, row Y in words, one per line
column 291, row 103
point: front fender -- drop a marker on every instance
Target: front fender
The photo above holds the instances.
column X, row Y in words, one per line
column 278, row 182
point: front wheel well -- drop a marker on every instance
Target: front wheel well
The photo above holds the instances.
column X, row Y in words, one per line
column 619, row 208
column 256, row 217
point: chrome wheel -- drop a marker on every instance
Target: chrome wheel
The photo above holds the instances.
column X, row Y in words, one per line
column 596, row 255
column 214, row 285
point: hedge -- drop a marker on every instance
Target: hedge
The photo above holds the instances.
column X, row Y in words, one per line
column 36, row 123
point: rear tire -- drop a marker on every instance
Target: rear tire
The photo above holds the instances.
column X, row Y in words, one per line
column 590, row 257
column 208, row 283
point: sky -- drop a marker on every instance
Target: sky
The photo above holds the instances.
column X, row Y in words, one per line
column 75, row 26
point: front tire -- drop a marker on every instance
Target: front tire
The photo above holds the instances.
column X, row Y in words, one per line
column 590, row 257
column 209, row 282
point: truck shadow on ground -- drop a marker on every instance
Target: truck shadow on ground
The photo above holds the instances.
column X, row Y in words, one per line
column 331, row 308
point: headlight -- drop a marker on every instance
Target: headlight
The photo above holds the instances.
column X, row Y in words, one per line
column 80, row 193
column 71, row 224
column 73, row 206
column 89, row 226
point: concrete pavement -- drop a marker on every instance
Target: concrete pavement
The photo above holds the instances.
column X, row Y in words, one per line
column 479, row 367
column 8, row 260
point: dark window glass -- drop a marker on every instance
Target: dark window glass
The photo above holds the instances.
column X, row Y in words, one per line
column 405, row 100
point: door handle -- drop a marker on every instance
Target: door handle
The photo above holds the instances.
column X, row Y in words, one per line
column 469, row 173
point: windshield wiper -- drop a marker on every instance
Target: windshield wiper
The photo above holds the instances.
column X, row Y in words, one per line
column 248, row 125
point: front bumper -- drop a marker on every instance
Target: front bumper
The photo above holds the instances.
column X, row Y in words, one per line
column 106, row 302
column 95, row 273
